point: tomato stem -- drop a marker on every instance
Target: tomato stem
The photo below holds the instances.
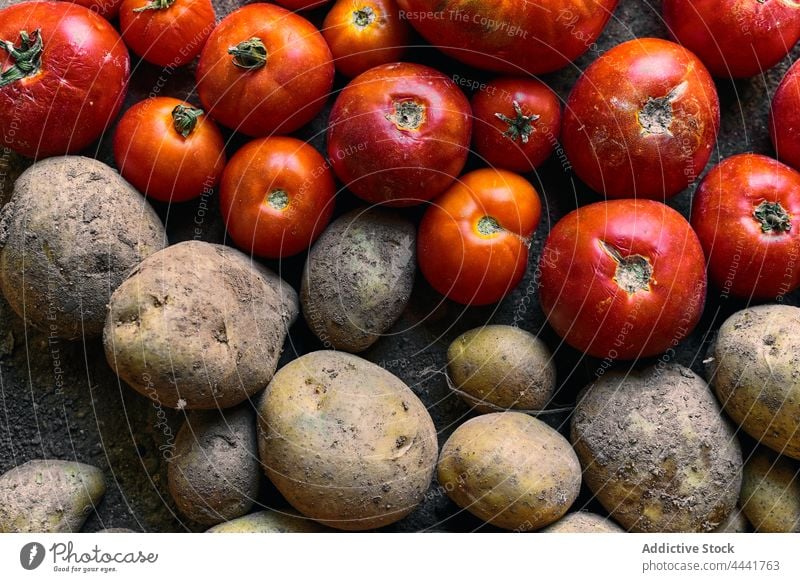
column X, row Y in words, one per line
column 363, row 17
column 772, row 217
column 184, row 119
column 155, row 5
column 249, row 54
column 27, row 57
column 520, row 126
column 278, row 199
column 407, row 114
column 633, row 272
column 488, row 226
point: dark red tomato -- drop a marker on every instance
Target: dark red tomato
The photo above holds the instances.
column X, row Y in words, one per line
column 623, row 279
column 276, row 196
column 364, row 33
column 735, row 38
column 108, row 9
column 784, row 123
column 169, row 150
column 264, row 70
column 64, row 76
column 642, row 120
column 399, row 134
column 746, row 213
column 510, row 36
column 166, row 32
column 301, row 4
column 473, row 241
column 517, row 123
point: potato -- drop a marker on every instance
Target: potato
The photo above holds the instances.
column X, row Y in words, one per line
column 510, row 470
column 656, row 451
column 346, row 442
column 755, row 371
column 583, row 522
column 770, row 494
column 736, row 522
column 501, row 367
column 11, row 166
column 214, row 473
column 111, row 530
column 269, row 522
column 69, row 236
column 195, row 326
column 49, row 496
column 358, row 278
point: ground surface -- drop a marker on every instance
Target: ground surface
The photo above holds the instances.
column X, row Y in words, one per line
column 97, row 420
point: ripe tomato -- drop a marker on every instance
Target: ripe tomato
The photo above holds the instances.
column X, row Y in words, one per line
column 301, row 4
column 735, row 38
column 264, row 70
column 473, row 241
column 169, row 150
column 399, row 134
column 363, row 34
column 166, row 32
column 623, row 279
column 510, row 36
column 746, row 213
column 784, row 123
column 64, row 76
column 108, row 9
column 276, row 196
column 517, row 123
column 642, row 120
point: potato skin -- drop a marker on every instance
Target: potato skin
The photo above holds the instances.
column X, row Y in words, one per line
column 755, row 373
column 214, row 473
column 583, row 522
column 736, row 522
column 770, row 494
column 501, row 367
column 358, row 278
column 69, row 236
column 269, row 522
column 194, row 326
column 656, row 450
column 510, row 470
column 346, row 442
column 49, row 496
column 11, row 166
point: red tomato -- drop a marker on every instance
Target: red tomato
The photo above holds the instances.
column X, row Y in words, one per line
column 363, row 34
column 64, row 76
column 735, row 38
column 623, row 279
column 399, row 134
column 473, row 241
column 264, row 70
column 517, row 123
column 301, row 4
column 169, row 150
column 108, row 9
column 746, row 213
column 642, row 120
column 276, row 196
column 510, row 36
column 784, row 123
column 166, row 32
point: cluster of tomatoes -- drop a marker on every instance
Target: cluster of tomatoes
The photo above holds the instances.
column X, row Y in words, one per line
column 621, row 278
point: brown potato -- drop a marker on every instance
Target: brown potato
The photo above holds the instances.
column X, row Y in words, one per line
column 583, row 522
column 770, row 494
column 269, row 521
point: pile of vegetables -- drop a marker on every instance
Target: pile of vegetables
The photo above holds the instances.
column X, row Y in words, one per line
column 414, row 179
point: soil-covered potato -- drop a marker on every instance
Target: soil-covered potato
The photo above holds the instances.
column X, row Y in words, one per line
column 194, row 326
column 113, row 530
column 70, row 234
column 346, row 442
column 736, row 522
column 770, row 496
column 510, row 470
column 501, row 367
column 214, row 473
column 755, row 370
column 656, row 450
column 49, row 496
column 269, row 521
column 11, row 166
column 583, row 522
column 358, row 278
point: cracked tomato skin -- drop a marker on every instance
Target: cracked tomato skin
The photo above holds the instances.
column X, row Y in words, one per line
column 279, row 95
column 499, row 141
column 744, row 260
column 588, row 300
column 642, row 120
column 78, row 88
column 784, row 120
column 399, row 134
column 735, row 38
column 467, row 258
column 509, row 36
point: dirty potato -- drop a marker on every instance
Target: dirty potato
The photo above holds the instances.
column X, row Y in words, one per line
column 583, row 522
column 770, row 494
column 270, row 521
